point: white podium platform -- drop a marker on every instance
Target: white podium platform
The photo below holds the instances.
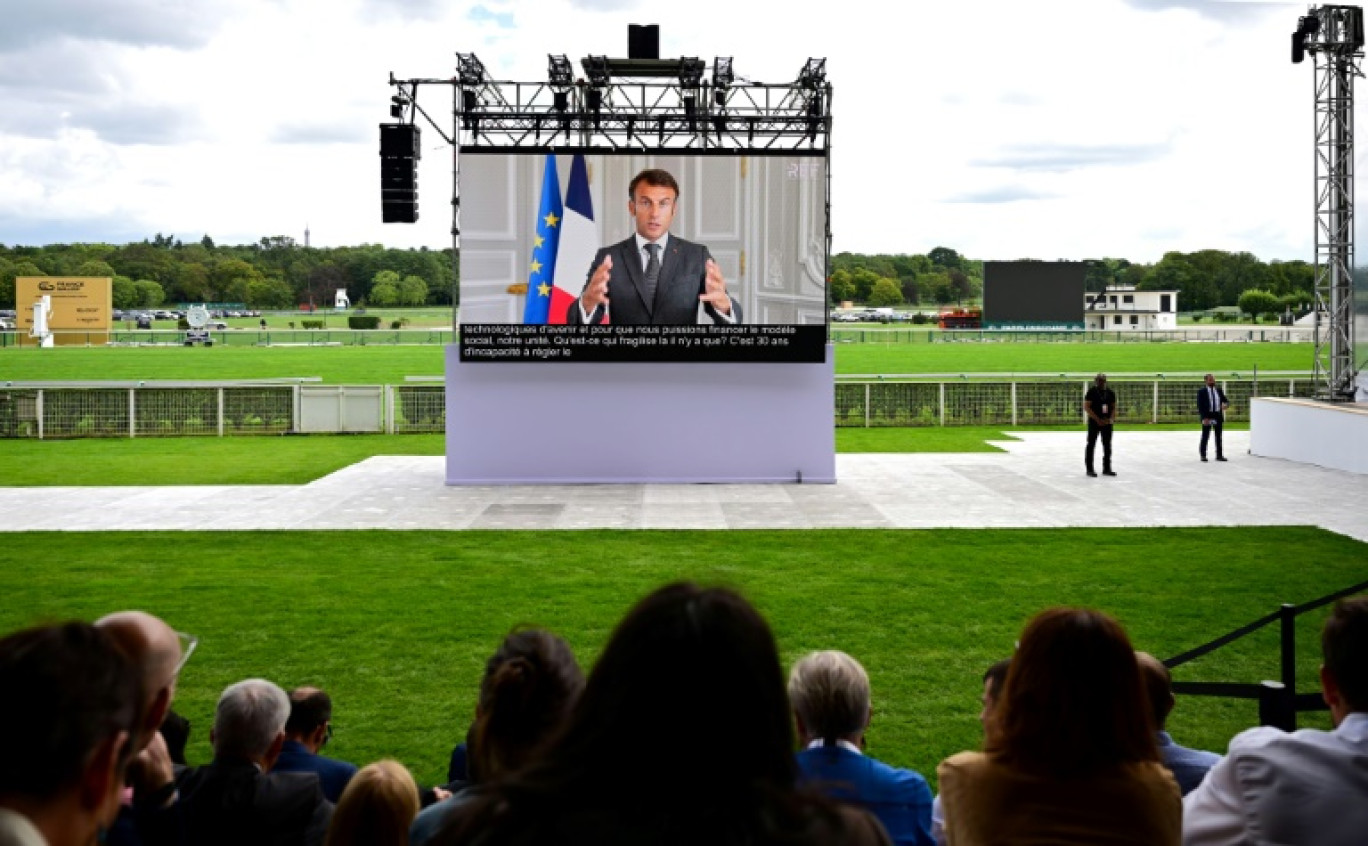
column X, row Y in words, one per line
column 1333, row 435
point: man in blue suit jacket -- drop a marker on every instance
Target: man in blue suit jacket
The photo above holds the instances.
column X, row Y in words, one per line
column 1211, row 405
column 654, row 278
column 1189, row 766
column 306, row 732
column 829, row 692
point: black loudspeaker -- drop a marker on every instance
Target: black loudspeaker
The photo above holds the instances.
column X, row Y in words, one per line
column 399, row 153
column 643, row 41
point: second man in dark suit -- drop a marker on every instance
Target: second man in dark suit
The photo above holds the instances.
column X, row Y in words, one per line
column 654, row 277
column 1212, row 405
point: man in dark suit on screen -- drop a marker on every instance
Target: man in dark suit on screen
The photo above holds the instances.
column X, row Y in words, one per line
column 654, row 277
column 1212, row 405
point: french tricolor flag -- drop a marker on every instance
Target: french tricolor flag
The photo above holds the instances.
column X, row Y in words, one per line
column 579, row 241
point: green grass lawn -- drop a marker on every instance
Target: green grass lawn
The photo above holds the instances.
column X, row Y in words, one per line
column 390, row 364
column 396, row 625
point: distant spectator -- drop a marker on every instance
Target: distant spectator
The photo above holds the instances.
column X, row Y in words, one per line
column 530, row 685
column 993, row 679
column 829, row 692
column 237, row 799
column 1070, row 755
column 307, row 731
column 377, row 807
column 175, row 731
column 67, row 714
column 1189, row 766
column 1303, row 787
column 683, row 735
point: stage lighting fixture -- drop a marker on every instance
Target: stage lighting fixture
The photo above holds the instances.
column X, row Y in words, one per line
column 561, row 100
column 470, row 69
column 559, row 70
column 596, row 67
column 691, row 71
column 814, row 121
column 593, row 99
column 722, row 72
column 813, row 74
column 397, row 105
column 470, row 103
column 1307, row 26
column 690, row 102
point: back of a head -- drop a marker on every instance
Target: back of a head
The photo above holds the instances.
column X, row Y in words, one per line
column 376, row 808
column 1073, row 704
column 1344, row 645
column 1158, row 687
column 249, row 716
column 309, row 709
column 153, row 649
column 68, row 689
column 689, row 678
column 529, row 687
column 829, row 692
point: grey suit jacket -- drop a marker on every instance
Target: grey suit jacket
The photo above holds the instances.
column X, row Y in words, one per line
column 683, row 274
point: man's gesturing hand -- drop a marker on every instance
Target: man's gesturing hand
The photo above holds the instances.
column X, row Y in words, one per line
column 715, row 290
column 596, row 292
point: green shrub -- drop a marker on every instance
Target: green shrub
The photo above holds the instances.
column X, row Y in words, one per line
column 311, row 324
column 363, row 321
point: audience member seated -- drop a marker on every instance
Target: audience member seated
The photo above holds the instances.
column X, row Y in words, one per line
column 993, row 678
column 67, row 713
column 308, row 730
column 175, row 732
column 682, row 735
column 150, row 817
column 1189, row 766
column 237, row 799
column 1070, row 755
column 829, row 692
column 529, row 686
column 377, row 807
column 1303, row 787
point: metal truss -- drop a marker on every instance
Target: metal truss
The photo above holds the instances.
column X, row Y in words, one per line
column 1334, row 35
column 617, row 110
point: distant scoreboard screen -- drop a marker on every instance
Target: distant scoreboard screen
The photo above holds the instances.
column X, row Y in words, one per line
column 1033, row 294
column 553, row 266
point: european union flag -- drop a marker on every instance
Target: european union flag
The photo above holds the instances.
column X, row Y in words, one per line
column 545, row 244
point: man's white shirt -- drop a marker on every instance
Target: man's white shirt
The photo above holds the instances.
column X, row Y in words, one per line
column 1303, row 787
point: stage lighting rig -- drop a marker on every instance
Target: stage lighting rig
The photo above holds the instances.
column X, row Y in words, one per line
column 813, row 74
column 691, row 71
column 470, row 69
column 596, row 67
column 559, row 71
column 723, row 76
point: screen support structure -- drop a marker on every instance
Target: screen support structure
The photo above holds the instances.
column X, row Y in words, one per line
column 624, row 106
column 1334, row 36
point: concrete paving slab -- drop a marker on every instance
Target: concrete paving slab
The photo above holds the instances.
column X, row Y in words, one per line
column 1036, row 481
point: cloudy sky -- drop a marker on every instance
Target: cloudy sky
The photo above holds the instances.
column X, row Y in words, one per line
column 1054, row 129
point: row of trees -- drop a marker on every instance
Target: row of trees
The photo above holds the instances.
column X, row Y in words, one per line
column 1204, row 280
column 273, row 273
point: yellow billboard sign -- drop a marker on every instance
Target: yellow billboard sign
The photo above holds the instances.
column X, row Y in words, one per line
column 80, row 307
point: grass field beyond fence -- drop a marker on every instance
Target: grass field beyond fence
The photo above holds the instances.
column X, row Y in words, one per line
column 397, row 625
column 389, row 365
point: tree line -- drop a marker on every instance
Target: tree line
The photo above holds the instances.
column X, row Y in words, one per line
column 1204, row 280
column 274, row 273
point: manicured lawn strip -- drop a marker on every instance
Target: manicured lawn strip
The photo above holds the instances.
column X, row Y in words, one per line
column 1054, row 358
column 389, row 365
column 264, row 460
column 396, row 625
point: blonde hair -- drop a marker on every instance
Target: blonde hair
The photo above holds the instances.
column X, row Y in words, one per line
column 829, row 691
column 377, row 807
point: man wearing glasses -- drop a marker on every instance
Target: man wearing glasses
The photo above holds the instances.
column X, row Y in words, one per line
column 654, row 278
column 307, row 731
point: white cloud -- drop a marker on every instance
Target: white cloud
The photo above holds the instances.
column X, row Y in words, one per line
column 1054, row 128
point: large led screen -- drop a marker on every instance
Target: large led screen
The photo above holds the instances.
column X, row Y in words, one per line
column 639, row 257
column 1033, row 294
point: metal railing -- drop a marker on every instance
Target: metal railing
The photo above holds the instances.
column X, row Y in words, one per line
column 1279, row 702
column 152, row 409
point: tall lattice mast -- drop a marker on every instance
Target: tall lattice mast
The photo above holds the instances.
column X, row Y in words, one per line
column 1334, row 36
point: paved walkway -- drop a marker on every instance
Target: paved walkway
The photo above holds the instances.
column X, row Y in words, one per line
column 1038, row 481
